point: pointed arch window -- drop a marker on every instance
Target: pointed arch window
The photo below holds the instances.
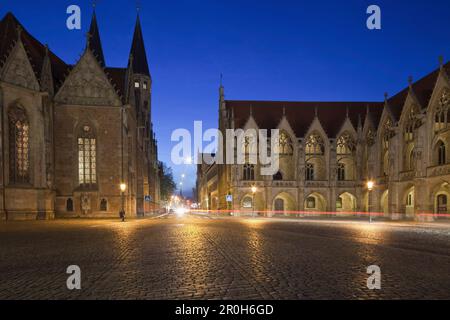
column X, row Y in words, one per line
column 311, row 202
column 69, row 205
column 412, row 160
column 442, row 113
column 345, row 145
column 341, row 172
column 285, row 144
column 87, row 157
column 387, row 134
column 249, row 144
column 314, row 145
column 411, row 123
column 309, row 172
column 370, row 137
column 19, row 146
column 441, row 153
column 249, row 172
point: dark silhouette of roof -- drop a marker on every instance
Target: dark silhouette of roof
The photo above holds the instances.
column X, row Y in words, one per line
column 36, row 51
column 140, row 64
column 331, row 115
column 95, row 43
column 300, row 115
column 118, row 79
column 422, row 89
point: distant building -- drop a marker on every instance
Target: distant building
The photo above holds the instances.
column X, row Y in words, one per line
column 207, row 187
column 329, row 150
column 71, row 134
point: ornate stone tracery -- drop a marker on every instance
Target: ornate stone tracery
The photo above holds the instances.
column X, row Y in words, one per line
column 19, row 145
column 88, row 85
column 18, row 70
column 442, row 116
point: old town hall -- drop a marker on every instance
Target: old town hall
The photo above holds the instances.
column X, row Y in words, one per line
column 330, row 152
column 77, row 140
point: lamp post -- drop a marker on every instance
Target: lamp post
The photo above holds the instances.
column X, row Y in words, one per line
column 254, row 189
column 370, row 185
column 123, row 187
column 181, row 190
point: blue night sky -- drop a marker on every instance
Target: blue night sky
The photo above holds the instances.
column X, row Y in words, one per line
column 266, row 50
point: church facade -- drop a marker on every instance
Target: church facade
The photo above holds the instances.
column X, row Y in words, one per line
column 330, row 150
column 71, row 135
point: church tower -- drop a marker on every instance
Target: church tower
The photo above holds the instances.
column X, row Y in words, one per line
column 139, row 96
column 141, row 80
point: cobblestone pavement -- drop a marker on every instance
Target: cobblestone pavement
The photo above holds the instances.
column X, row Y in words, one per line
column 205, row 258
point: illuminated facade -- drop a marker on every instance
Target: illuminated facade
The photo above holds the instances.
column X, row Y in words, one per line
column 329, row 150
column 71, row 134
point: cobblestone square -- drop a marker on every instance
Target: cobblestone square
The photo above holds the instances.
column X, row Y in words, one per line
column 196, row 257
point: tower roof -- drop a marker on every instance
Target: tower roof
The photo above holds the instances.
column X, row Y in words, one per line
column 140, row 64
column 95, row 43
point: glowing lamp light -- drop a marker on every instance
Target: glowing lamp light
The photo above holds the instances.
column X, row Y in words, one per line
column 180, row 211
column 123, row 187
column 370, row 185
column 254, row 189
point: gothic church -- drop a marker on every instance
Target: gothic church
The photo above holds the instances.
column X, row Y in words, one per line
column 71, row 135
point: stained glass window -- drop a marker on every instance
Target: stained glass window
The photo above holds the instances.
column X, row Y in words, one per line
column 87, row 154
column 19, row 141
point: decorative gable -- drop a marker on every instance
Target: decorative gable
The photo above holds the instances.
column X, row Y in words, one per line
column 87, row 84
column 18, row 69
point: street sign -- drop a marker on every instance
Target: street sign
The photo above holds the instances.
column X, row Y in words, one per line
column 148, row 198
column 229, row 198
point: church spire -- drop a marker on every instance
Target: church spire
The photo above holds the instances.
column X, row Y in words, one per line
column 140, row 64
column 94, row 42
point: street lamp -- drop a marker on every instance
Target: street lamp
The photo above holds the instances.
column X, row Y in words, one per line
column 123, row 187
column 181, row 189
column 254, row 189
column 370, row 186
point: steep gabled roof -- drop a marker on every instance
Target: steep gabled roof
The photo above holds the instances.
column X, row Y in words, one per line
column 300, row 115
column 423, row 89
column 35, row 50
column 118, row 79
column 140, row 64
column 95, row 43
